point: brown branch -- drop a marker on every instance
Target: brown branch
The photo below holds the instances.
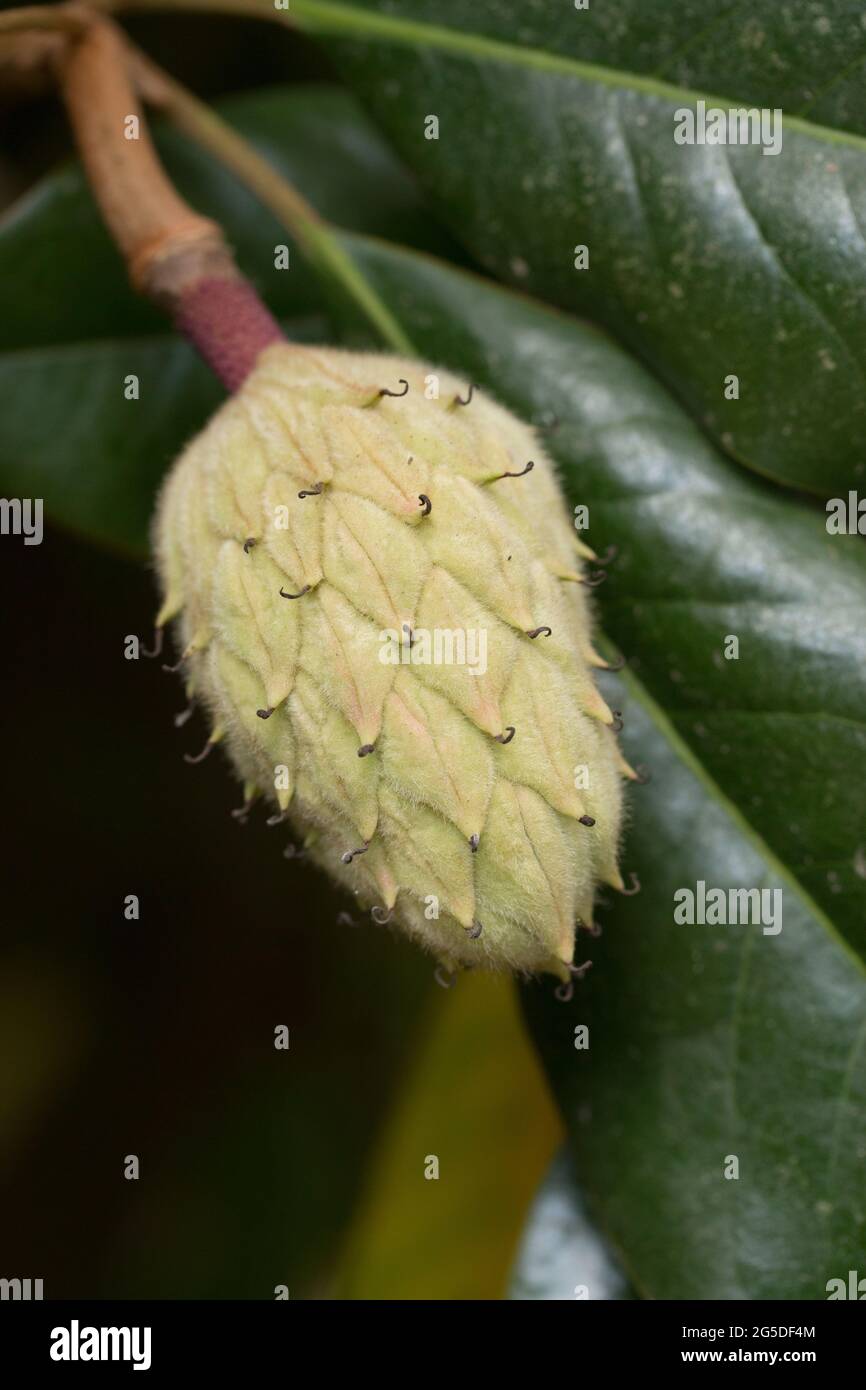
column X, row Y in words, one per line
column 31, row 40
column 318, row 240
column 174, row 255
column 27, row 18
column 162, row 239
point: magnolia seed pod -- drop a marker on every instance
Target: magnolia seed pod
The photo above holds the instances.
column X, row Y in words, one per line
column 379, row 601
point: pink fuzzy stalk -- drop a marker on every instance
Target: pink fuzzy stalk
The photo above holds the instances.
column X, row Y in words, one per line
column 227, row 324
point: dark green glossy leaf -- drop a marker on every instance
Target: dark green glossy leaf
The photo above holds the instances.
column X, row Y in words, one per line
column 562, row 1254
column 806, row 57
column 71, row 437
column 709, row 1045
column 709, row 261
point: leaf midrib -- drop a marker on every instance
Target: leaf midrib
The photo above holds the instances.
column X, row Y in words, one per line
column 329, row 17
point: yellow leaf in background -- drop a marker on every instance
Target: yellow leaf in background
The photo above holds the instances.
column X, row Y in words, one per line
column 474, row 1107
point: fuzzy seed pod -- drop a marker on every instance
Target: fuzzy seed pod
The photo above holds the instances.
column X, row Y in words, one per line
column 379, row 604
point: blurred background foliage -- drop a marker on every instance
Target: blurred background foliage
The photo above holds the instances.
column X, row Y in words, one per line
column 156, row 1037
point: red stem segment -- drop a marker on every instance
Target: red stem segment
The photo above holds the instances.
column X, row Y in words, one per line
column 227, row 324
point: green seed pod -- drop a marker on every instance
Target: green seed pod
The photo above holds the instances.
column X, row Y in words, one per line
column 379, row 601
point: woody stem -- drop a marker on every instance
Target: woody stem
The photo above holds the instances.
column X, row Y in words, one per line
column 174, row 256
